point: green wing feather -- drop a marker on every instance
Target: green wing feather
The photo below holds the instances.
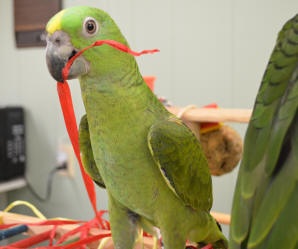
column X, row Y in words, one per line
column 180, row 158
column 87, row 153
column 266, row 188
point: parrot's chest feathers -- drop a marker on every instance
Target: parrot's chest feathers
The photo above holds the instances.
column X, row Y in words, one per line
column 121, row 140
column 119, row 122
column 125, row 163
column 119, row 128
column 119, row 125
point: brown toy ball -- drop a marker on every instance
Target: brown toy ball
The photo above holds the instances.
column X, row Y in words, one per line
column 223, row 149
column 221, row 144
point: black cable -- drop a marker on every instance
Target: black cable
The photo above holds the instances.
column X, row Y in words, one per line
column 49, row 183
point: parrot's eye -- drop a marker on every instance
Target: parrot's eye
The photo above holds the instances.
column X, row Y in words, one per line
column 90, row 26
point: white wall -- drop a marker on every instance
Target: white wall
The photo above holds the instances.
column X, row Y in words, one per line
column 211, row 51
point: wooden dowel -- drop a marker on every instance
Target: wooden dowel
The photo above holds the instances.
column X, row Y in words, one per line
column 221, row 218
column 214, row 115
column 9, row 218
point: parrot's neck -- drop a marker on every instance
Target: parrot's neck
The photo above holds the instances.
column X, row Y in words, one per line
column 112, row 102
column 110, row 84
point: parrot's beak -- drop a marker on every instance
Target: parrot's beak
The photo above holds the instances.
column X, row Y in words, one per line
column 59, row 50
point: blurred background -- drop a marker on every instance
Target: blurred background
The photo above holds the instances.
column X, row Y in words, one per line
column 210, row 51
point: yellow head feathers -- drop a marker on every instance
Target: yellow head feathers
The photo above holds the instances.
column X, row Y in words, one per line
column 55, row 23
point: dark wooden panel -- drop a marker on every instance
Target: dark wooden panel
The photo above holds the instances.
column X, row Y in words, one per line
column 32, row 38
column 31, row 17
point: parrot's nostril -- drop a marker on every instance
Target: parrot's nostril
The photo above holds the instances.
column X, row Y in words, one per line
column 73, row 53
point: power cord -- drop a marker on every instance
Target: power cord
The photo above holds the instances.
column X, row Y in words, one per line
column 49, row 183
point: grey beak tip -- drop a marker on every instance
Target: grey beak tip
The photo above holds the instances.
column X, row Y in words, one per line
column 59, row 53
column 55, row 67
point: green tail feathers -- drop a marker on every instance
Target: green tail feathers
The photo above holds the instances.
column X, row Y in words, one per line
column 266, row 191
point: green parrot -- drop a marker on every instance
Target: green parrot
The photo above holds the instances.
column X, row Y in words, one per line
column 265, row 206
column 150, row 163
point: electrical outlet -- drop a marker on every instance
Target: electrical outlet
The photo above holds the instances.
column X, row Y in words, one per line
column 66, row 155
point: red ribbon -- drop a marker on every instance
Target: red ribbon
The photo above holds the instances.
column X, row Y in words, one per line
column 44, row 236
column 72, row 129
column 28, row 242
column 111, row 43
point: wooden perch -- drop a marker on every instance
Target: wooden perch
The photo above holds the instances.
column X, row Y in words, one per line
column 214, row 115
column 221, row 218
column 11, row 218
